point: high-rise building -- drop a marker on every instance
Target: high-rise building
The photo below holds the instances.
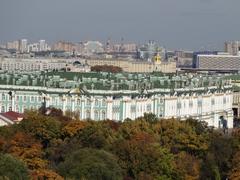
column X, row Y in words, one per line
column 33, row 47
column 232, row 47
column 23, row 45
column 42, row 45
column 13, row 45
column 64, row 46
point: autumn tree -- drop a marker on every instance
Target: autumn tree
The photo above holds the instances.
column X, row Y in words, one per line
column 141, row 158
column 106, row 68
column 180, row 136
column 188, row 166
column 29, row 150
column 234, row 173
column 42, row 127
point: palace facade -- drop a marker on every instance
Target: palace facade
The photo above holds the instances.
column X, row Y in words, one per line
column 100, row 96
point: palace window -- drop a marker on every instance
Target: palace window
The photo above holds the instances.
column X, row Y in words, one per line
column 88, row 114
column 88, row 102
column 3, row 109
column 191, row 104
column 104, row 102
column 96, row 102
column 96, row 115
column 3, row 96
column 103, row 115
column 199, row 102
column 116, row 109
column 224, row 100
column 78, row 102
column 213, row 102
column 133, row 109
column 179, row 105
column 149, row 107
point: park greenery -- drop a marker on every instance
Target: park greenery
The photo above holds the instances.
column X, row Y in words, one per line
column 56, row 147
column 106, row 68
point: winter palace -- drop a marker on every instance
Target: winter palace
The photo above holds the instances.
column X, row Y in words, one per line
column 100, row 96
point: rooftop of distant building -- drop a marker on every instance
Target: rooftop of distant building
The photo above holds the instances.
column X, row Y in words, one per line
column 110, row 81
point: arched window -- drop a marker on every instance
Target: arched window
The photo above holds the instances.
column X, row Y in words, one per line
column 78, row 101
column 88, row 102
column 103, row 115
column 104, row 102
column 96, row 102
column 88, row 114
column 3, row 96
column 3, row 109
column 96, row 115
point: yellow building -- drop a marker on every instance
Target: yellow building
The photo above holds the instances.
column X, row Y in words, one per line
column 137, row 66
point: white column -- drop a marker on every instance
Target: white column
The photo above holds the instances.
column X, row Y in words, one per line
column 82, row 108
column 91, row 108
column 64, row 104
column 109, row 108
column 73, row 100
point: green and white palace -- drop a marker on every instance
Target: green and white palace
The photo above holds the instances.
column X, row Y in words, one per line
column 100, row 96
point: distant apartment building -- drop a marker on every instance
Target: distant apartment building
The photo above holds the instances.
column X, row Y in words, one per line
column 218, row 62
column 15, row 64
column 184, row 58
column 23, row 45
column 35, row 64
column 64, row 46
column 38, row 47
column 2, row 46
column 42, row 45
column 13, row 45
column 33, row 47
column 232, row 47
column 128, row 47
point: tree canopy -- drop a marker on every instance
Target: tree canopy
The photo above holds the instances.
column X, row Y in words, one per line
column 12, row 168
column 55, row 146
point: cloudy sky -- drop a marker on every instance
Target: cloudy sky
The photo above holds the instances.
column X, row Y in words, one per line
column 176, row 24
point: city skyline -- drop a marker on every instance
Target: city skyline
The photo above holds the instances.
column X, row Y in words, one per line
column 202, row 24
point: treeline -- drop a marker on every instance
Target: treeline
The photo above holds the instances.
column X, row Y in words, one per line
column 56, row 147
column 106, row 68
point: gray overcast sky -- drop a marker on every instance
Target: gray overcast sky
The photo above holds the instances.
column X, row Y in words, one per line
column 176, row 24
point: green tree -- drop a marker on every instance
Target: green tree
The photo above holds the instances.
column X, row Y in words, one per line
column 220, row 155
column 90, row 164
column 44, row 128
column 141, row 158
column 150, row 117
column 210, row 169
column 12, row 168
column 180, row 136
column 97, row 135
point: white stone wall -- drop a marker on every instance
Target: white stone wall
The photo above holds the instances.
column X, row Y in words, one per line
column 204, row 106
